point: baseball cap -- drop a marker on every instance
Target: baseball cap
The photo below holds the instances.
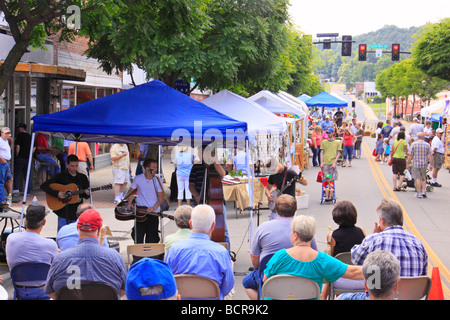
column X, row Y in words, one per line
column 35, row 212
column 150, row 279
column 89, row 220
column 330, row 130
column 6, row 130
column 439, row 130
column 328, row 176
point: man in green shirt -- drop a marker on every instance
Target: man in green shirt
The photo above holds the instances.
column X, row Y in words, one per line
column 330, row 152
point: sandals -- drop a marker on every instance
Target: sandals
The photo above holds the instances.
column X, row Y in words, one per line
column 397, row 189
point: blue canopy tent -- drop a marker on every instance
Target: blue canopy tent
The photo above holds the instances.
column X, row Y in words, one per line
column 324, row 99
column 151, row 113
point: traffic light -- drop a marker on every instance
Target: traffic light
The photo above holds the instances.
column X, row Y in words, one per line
column 362, row 52
column 396, row 52
column 346, row 46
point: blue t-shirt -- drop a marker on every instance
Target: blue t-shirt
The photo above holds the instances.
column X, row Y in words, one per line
column 184, row 164
column 322, row 267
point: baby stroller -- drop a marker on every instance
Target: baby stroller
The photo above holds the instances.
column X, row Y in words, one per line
column 328, row 181
column 409, row 182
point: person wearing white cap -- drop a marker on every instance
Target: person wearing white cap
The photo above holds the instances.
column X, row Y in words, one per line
column 438, row 150
column 6, row 178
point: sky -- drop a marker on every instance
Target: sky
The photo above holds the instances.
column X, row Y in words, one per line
column 355, row 17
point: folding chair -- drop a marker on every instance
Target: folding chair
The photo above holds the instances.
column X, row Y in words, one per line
column 345, row 285
column 26, row 272
column 88, row 291
column 191, row 286
column 414, row 288
column 141, row 250
column 261, row 267
column 289, row 287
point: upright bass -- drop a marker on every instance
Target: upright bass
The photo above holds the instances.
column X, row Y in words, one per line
column 213, row 196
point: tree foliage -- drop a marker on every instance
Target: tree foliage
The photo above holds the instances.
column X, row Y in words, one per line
column 31, row 21
column 432, row 50
column 240, row 44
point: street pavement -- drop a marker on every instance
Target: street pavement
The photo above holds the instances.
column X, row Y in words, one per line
column 365, row 184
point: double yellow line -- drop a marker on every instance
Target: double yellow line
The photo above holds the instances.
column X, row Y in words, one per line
column 386, row 190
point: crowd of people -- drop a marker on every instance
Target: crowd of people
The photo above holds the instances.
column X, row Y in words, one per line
column 80, row 253
column 412, row 153
column 286, row 243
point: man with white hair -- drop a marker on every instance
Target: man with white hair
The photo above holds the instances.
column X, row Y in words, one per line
column 199, row 255
column 438, row 151
column 415, row 128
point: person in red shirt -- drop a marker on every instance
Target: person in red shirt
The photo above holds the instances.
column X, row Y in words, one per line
column 328, row 187
column 348, row 140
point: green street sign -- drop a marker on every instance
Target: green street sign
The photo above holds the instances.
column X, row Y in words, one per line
column 378, row 46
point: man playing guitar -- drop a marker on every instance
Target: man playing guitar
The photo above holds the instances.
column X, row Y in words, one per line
column 67, row 214
column 283, row 178
column 149, row 195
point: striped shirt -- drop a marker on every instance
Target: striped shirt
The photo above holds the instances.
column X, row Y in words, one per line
column 407, row 248
column 420, row 150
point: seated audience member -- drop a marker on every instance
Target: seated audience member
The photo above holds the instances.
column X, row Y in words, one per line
column 390, row 236
column 30, row 246
column 199, row 255
column 68, row 235
column 181, row 217
column 88, row 261
column 343, row 239
column 347, row 234
column 269, row 237
column 303, row 261
column 381, row 271
column 151, row 279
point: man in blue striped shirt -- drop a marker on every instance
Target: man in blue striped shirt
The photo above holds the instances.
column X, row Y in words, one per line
column 389, row 235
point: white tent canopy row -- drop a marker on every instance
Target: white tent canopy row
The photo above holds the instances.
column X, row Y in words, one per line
column 265, row 128
column 438, row 107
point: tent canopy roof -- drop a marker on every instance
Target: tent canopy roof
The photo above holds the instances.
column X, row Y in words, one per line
column 324, row 99
column 276, row 104
column 437, row 107
column 258, row 118
column 151, row 113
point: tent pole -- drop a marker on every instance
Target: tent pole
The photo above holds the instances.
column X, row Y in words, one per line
column 250, row 182
column 27, row 180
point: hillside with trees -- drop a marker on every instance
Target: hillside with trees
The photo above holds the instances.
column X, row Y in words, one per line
column 329, row 64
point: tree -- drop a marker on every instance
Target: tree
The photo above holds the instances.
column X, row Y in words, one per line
column 432, row 50
column 31, row 21
column 214, row 43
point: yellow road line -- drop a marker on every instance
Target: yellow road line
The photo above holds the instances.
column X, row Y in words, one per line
column 388, row 192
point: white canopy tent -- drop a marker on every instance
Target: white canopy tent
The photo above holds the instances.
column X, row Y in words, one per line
column 291, row 112
column 265, row 128
column 302, row 105
column 437, row 107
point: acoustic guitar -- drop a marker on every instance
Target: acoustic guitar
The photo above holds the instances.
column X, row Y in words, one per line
column 71, row 195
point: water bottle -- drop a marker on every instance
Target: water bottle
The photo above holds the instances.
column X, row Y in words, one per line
column 9, row 199
column 34, row 200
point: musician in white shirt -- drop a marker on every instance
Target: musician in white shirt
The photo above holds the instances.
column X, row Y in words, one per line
column 6, row 179
column 149, row 195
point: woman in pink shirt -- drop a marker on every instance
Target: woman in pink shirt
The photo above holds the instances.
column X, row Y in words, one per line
column 316, row 141
column 348, row 139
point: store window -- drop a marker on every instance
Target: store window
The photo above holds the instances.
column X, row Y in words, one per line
column 102, row 148
column 67, row 97
column 85, row 94
column 102, row 92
